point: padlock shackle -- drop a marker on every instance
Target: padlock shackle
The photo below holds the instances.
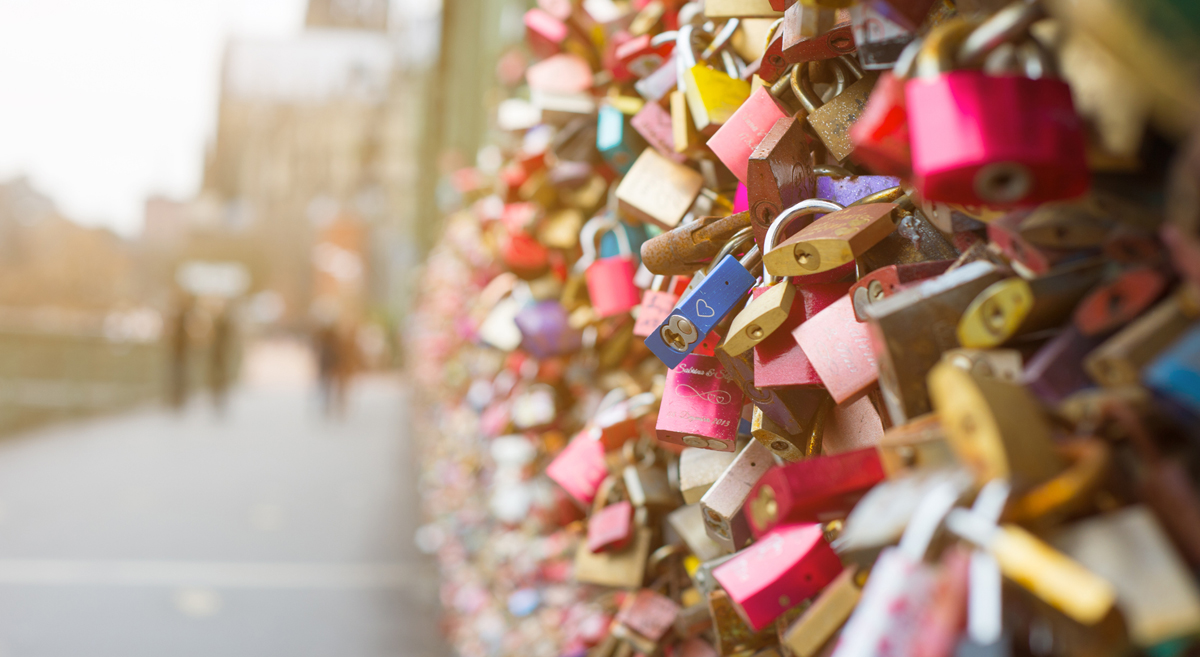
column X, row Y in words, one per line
column 785, row 219
column 1008, row 24
column 929, row 515
column 721, row 39
column 803, row 89
column 587, row 239
column 939, row 52
column 738, row 240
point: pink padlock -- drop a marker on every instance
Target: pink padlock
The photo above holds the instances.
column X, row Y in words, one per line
column 737, row 138
column 609, row 280
column 580, row 468
column 784, row 568
column 998, row 140
column 701, row 405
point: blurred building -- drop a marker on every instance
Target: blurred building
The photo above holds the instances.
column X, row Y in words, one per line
column 313, row 129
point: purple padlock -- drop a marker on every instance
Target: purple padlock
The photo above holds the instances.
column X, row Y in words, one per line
column 545, row 332
column 701, row 405
column 851, row 188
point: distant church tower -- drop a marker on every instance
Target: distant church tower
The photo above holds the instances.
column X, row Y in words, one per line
column 348, row 14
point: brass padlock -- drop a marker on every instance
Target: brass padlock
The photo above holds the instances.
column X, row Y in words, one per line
column 832, row 241
column 918, row 445
column 832, row 120
column 657, row 190
column 1017, row 306
column 827, row 614
column 995, row 427
column 622, row 569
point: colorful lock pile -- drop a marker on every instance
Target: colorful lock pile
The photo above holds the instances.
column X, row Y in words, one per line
column 824, row 328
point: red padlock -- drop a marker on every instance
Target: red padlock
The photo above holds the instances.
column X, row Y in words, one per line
column 610, row 528
column 781, row 570
column 609, row 280
column 818, row 489
column 880, row 136
column 999, row 140
column 839, row 349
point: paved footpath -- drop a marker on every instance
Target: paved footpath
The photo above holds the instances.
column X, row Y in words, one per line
column 270, row 531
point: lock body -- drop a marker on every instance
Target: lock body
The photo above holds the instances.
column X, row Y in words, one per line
column 779, row 174
column 699, row 311
column 781, row 570
column 995, row 140
column 780, row 360
column 610, row 285
column 545, row 331
column 611, row 528
column 580, row 468
column 744, row 131
column 657, row 190
column 839, row 349
column 817, row 489
column 701, row 407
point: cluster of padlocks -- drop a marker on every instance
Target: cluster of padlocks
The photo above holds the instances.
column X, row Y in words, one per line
column 815, row 328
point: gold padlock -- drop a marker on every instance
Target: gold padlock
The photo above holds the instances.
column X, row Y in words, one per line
column 827, row 614
column 712, row 96
column 832, row 120
column 996, row 428
column 658, row 191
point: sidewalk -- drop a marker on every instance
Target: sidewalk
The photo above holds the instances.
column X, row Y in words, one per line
column 269, row 531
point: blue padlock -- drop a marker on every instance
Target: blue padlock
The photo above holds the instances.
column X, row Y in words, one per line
column 618, row 144
column 1175, row 374
column 707, row 304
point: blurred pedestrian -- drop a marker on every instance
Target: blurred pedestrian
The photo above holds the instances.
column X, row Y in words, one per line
column 335, row 366
column 177, row 357
column 220, row 354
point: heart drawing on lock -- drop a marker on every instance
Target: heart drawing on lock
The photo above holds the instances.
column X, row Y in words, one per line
column 704, row 310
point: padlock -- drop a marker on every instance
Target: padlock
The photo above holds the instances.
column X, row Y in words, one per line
column 722, row 503
column 1155, row 592
column 779, row 174
column 562, row 74
column 544, row 330
column 828, row 612
column 1119, row 300
column 855, row 425
column 733, row 634
column 792, row 409
column 744, row 130
column 645, row 618
column 832, row 241
column 807, row 34
column 701, row 407
column 726, row 282
column 653, row 123
column 881, row 41
column 817, row 489
column 1047, row 573
column 618, row 145
column 912, row 329
column 999, row 140
column 657, row 303
column 1121, row 358
column 916, row 240
column 740, row 9
column 794, row 446
column 580, row 468
column 688, row 523
column 657, row 190
column 1055, row 371
column 920, row 444
column 610, row 526
column 780, row 359
column 1024, row 256
column 712, row 96
column 699, row 469
column 1016, row 306
column 1173, row 374
column 900, row 586
column 832, row 120
column 642, row 55
column 688, row 247
column 840, row 350
column 909, row 13
column 618, row 568
column 883, row 282
column 878, row 520
column 1002, row 364
column 609, row 280
column 617, row 419
column 880, row 135
column 783, row 568
column 995, row 427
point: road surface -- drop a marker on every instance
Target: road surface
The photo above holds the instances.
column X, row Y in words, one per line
column 269, row 531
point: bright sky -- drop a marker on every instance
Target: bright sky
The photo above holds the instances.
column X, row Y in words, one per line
column 103, row 102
